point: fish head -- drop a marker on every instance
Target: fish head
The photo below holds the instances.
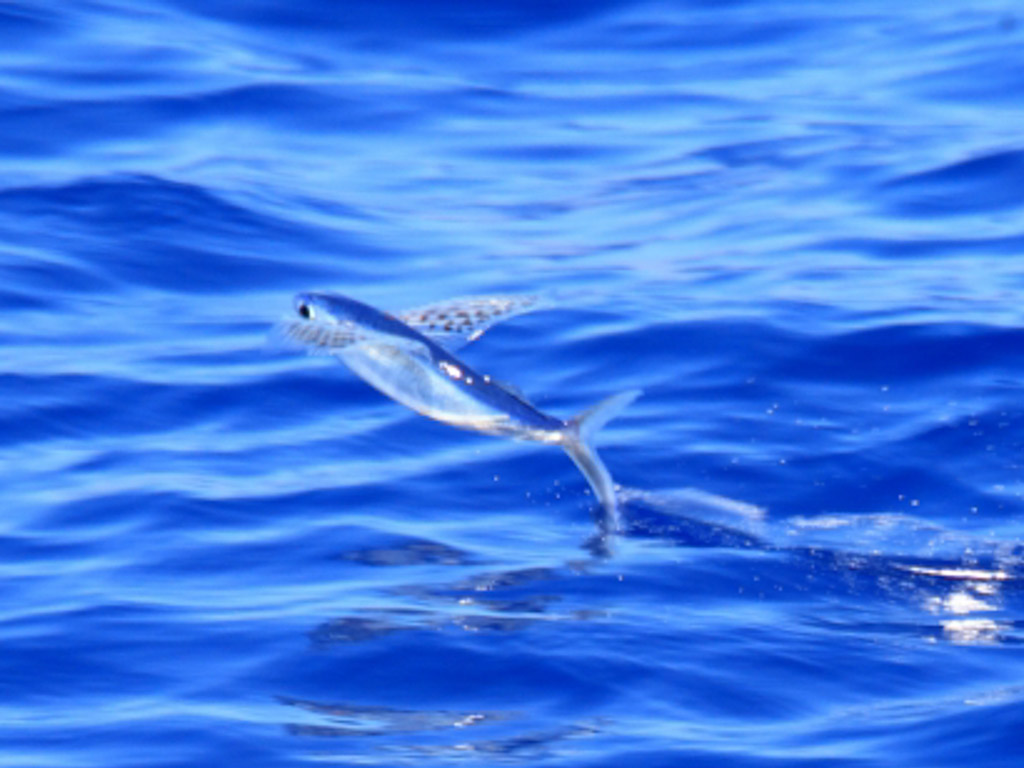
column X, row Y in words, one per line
column 321, row 308
column 321, row 324
column 329, row 322
column 335, row 309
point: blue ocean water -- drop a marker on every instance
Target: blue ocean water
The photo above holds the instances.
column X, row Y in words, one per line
column 797, row 226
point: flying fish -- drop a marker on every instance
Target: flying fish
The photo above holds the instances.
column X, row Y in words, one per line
column 410, row 359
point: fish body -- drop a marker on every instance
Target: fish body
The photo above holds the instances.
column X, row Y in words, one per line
column 413, row 369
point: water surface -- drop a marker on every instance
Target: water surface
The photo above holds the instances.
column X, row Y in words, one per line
column 797, row 226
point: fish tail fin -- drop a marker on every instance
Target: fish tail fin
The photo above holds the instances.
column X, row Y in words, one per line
column 579, row 445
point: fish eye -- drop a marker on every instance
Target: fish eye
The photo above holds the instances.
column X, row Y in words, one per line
column 306, row 311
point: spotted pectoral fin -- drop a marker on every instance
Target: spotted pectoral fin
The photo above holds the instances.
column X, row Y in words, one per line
column 333, row 338
column 313, row 338
column 456, row 322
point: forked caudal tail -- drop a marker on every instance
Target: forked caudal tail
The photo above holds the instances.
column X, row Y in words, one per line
column 579, row 445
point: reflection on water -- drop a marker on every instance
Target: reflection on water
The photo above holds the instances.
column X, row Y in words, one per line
column 529, row 745
column 961, row 598
column 416, row 552
column 926, row 565
column 445, row 733
column 361, row 629
column 482, row 602
column 388, row 621
column 354, row 720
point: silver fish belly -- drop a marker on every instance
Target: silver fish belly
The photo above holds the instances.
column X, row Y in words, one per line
column 446, row 389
